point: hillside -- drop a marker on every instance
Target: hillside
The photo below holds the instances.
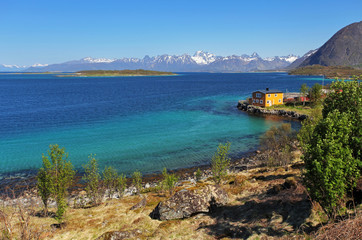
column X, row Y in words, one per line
column 343, row 49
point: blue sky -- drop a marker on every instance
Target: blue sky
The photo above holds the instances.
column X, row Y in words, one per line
column 55, row 31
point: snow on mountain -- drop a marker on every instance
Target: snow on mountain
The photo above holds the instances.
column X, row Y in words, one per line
column 203, row 58
column 200, row 61
column 97, row 60
column 39, row 65
column 290, row 58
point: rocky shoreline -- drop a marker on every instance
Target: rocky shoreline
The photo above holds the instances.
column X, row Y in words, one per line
column 244, row 106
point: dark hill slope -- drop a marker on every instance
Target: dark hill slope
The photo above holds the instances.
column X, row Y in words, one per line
column 343, row 49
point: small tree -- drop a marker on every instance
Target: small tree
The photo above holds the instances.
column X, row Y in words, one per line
column 277, row 141
column 316, row 92
column 304, row 91
column 169, row 181
column 44, row 183
column 92, row 179
column 56, row 176
column 220, row 162
column 331, row 169
column 110, row 180
column 137, row 180
column 198, row 175
column 121, row 183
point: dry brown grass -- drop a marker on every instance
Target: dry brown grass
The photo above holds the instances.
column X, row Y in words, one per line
column 251, row 212
column 350, row 229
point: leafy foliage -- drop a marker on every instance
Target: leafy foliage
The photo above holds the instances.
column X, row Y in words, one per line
column 277, row 141
column 110, row 180
column 331, row 147
column 220, row 162
column 137, row 180
column 198, row 175
column 304, row 91
column 316, row 93
column 55, row 177
column 169, row 181
column 92, row 179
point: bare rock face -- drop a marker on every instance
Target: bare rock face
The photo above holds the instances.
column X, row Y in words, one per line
column 188, row 202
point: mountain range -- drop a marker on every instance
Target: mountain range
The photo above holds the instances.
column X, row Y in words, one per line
column 199, row 62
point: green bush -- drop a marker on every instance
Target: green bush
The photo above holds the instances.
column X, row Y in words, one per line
column 220, row 162
column 169, row 181
column 137, row 180
column 110, row 180
column 198, row 175
column 54, row 178
column 92, row 179
column 331, row 147
column 278, row 142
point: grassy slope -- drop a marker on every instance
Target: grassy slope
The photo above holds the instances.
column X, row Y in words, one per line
column 329, row 72
column 252, row 212
column 138, row 72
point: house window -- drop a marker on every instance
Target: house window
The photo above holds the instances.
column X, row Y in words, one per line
column 257, row 100
column 268, row 102
column 253, row 100
column 258, row 95
column 261, row 101
column 268, row 95
column 275, row 95
column 280, row 100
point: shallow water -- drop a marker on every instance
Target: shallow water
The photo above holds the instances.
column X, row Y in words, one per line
column 143, row 123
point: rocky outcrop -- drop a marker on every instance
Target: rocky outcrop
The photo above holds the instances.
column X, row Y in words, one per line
column 189, row 202
column 119, row 235
column 244, row 106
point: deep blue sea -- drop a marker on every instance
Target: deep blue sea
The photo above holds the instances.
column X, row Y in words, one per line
column 131, row 123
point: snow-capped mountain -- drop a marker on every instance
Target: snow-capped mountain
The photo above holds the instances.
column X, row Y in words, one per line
column 299, row 61
column 200, row 61
column 17, row 68
column 12, row 68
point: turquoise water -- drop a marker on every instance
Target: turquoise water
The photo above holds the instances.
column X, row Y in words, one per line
column 131, row 123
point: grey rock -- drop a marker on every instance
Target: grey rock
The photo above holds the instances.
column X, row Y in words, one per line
column 185, row 203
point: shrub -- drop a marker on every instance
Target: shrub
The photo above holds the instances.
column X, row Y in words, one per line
column 169, row 181
column 278, row 140
column 55, row 177
column 110, row 180
column 331, row 147
column 121, row 183
column 137, row 180
column 198, row 175
column 92, row 179
column 220, row 162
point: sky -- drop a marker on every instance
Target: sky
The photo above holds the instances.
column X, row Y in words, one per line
column 55, row 31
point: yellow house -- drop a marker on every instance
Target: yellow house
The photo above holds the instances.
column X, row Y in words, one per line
column 266, row 98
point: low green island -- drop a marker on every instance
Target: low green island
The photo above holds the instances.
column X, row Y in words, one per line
column 327, row 71
column 115, row 73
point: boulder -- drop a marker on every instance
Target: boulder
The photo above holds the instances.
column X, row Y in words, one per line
column 185, row 203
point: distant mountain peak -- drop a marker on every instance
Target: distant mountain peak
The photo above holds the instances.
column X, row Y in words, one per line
column 97, row 60
column 201, row 57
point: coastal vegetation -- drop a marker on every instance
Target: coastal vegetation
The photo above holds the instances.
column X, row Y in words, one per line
column 114, row 73
column 327, row 71
column 331, row 148
column 293, row 187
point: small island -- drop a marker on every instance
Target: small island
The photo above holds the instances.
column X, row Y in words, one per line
column 116, row 73
column 327, row 71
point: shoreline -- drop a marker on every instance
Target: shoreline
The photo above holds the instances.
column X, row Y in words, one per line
column 17, row 184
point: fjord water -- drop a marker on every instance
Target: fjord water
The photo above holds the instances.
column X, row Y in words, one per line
column 131, row 123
